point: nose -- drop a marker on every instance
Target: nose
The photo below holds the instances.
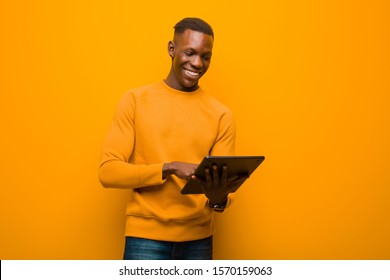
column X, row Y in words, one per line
column 196, row 62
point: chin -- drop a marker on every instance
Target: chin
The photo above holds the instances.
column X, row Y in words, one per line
column 191, row 88
column 190, row 84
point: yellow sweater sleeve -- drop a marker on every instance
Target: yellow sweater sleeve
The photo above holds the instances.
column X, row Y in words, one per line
column 115, row 171
column 225, row 143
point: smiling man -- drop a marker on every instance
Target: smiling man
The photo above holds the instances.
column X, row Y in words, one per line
column 159, row 134
column 191, row 52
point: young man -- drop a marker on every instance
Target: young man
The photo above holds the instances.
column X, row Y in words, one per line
column 159, row 135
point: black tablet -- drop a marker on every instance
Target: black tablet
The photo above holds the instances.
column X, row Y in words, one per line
column 236, row 166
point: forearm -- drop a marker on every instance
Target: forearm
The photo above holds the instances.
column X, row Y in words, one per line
column 123, row 175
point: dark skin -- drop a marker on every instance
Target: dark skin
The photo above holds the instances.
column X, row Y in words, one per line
column 191, row 55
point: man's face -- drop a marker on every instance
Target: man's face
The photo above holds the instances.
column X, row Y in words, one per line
column 191, row 55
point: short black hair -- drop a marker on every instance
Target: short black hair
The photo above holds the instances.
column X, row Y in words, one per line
column 195, row 24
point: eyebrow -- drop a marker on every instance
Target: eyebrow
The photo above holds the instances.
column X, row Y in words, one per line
column 193, row 50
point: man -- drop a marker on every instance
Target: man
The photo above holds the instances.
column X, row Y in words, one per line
column 159, row 134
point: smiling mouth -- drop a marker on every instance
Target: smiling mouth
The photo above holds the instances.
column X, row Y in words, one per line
column 192, row 74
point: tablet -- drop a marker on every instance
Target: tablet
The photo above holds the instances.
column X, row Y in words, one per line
column 236, row 166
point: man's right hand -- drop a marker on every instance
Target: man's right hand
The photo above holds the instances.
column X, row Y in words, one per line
column 183, row 170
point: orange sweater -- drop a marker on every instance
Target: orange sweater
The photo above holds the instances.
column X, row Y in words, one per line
column 155, row 124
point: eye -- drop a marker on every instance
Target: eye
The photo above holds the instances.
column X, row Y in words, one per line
column 207, row 57
column 188, row 53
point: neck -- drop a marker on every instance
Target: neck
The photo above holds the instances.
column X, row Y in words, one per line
column 172, row 81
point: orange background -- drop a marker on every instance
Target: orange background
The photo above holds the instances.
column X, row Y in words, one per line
column 308, row 82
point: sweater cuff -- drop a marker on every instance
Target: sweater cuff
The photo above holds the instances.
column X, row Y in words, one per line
column 152, row 174
column 230, row 199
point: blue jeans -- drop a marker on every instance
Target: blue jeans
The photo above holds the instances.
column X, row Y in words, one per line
column 147, row 249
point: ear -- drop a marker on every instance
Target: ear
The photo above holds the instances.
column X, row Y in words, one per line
column 171, row 49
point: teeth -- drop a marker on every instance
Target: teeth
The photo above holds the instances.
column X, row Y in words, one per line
column 193, row 74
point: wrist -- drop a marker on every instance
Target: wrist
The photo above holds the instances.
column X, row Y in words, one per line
column 218, row 207
column 218, row 200
column 167, row 169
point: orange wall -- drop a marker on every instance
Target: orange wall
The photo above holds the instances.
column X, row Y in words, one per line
column 308, row 82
